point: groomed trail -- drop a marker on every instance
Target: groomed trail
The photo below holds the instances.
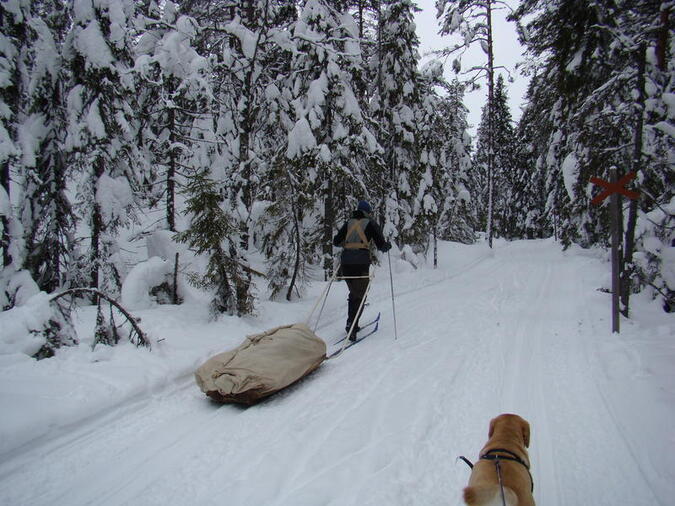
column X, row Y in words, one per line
column 385, row 422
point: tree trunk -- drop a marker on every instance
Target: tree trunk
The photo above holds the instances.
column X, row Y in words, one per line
column 297, row 219
column 491, row 98
column 629, row 238
column 171, row 169
column 328, row 221
column 4, row 180
column 97, row 229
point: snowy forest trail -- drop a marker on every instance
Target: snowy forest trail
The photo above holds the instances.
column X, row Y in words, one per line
column 385, row 422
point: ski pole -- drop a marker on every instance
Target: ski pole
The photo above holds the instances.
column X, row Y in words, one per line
column 393, row 305
column 322, row 298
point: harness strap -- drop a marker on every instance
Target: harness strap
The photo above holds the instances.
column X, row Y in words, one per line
column 490, row 455
column 356, row 227
column 466, row 461
column 501, row 482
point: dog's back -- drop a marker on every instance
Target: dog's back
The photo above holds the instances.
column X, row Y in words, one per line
column 489, row 495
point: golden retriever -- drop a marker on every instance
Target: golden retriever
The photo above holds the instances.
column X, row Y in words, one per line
column 509, row 438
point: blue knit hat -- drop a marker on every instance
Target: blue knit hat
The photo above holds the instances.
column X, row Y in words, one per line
column 364, row 206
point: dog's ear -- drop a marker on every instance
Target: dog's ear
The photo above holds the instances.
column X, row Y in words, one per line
column 492, row 427
column 526, row 432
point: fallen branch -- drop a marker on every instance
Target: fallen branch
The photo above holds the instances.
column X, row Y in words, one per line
column 141, row 338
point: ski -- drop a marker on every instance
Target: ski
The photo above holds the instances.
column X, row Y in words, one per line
column 375, row 322
column 369, row 324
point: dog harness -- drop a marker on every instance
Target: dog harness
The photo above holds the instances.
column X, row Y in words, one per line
column 493, row 455
column 490, row 455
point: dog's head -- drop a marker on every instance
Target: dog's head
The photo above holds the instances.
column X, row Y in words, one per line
column 512, row 423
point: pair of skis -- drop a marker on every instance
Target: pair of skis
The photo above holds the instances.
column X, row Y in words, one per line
column 371, row 327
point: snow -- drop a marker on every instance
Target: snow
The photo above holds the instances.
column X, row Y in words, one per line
column 521, row 328
column 666, row 128
column 5, row 203
column 94, row 121
column 31, row 132
column 300, row 139
column 570, row 172
column 113, row 195
column 247, row 38
column 141, row 279
column 16, row 324
column 90, row 42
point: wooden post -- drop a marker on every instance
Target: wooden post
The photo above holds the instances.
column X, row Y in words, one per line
column 614, row 189
column 615, row 211
column 174, row 294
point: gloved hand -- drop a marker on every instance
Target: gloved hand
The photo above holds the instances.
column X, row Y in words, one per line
column 386, row 247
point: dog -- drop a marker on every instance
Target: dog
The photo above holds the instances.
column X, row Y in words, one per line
column 504, row 454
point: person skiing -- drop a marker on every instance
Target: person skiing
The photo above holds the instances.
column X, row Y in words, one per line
column 354, row 237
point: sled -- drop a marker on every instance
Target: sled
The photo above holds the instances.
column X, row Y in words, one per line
column 262, row 365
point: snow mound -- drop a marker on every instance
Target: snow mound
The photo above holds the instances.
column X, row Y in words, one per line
column 18, row 322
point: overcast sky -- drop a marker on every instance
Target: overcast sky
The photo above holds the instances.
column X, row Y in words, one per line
column 507, row 53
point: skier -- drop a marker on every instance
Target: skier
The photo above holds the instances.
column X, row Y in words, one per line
column 354, row 237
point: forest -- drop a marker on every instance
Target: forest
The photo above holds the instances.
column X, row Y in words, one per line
column 247, row 130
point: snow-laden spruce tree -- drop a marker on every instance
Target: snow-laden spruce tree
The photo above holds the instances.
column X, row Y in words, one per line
column 213, row 233
column 248, row 45
column 472, row 21
column 15, row 64
column 328, row 141
column 173, row 90
column 584, row 136
column 395, row 100
column 496, row 145
column 101, row 135
column 528, row 188
column 441, row 198
column 13, row 48
column 52, row 250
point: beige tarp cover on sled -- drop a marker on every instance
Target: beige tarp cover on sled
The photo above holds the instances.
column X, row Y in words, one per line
column 263, row 364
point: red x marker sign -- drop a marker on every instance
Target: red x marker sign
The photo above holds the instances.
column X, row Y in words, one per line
column 618, row 187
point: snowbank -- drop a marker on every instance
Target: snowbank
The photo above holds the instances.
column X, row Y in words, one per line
column 18, row 323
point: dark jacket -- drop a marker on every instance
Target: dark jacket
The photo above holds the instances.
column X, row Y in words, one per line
column 360, row 255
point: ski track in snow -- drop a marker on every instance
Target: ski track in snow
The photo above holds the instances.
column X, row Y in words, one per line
column 384, row 422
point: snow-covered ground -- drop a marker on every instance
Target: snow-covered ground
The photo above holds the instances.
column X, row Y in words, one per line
column 522, row 329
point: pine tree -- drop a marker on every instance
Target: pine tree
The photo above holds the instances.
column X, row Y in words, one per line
column 395, row 101
column 529, row 192
column 15, row 63
column 249, row 46
column 578, row 63
column 458, row 220
column 328, row 136
column 14, row 49
column 101, row 133
column 472, row 20
column 213, row 233
column 47, row 214
column 174, row 85
column 285, row 240
column 496, row 133
column 443, row 141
